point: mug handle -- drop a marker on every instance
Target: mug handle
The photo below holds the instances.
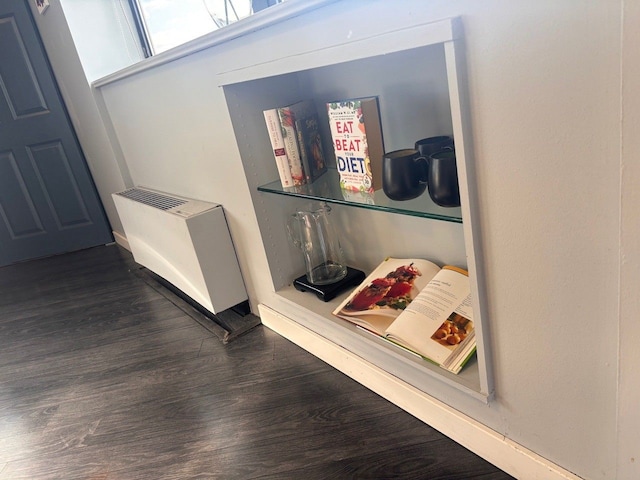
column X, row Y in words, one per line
column 423, row 168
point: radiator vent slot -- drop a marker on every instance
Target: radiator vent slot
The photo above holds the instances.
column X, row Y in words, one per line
column 153, row 199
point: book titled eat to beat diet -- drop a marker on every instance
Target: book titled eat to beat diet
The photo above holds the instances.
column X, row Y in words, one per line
column 356, row 134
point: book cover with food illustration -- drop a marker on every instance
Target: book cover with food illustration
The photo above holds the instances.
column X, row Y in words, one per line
column 356, row 134
column 358, row 197
column 290, row 137
column 277, row 144
column 418, row 305
column 309, row 140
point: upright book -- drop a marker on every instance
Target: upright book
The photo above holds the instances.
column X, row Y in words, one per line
column 307, row 125
column 277, row 144
column 356, row 133
column 419, row 306
column 287, row 116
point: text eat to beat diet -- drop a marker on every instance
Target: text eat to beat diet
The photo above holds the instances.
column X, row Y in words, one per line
column 349, row 164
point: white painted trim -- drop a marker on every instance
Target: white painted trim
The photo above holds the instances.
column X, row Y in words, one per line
column 121, row 240
column 275, row 14
column 494, row 447
column 431, row 33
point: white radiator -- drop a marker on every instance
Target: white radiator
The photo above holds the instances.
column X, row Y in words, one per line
column 184, row 241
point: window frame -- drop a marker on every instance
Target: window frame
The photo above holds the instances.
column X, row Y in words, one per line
column 141, row 28
column 262, row 19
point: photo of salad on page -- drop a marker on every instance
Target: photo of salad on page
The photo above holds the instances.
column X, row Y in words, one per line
column 419, row 306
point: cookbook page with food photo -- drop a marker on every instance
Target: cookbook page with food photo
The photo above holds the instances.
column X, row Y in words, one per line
column 418, row 305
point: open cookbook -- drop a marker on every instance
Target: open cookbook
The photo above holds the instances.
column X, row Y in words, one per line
column 417, row 305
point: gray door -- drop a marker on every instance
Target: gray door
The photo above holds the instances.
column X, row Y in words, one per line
column 48, row 202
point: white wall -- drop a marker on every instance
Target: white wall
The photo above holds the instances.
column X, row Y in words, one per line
column 556, row 180
column 629, row 328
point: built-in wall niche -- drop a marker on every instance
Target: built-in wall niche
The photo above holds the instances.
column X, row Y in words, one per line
column 411, row 87
column 415, row 107
column 417, row 77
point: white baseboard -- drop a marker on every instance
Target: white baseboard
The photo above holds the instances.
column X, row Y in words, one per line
column 505, row 454
column 121, row 240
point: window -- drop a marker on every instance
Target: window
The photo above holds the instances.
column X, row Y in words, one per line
column 111, row 35
column 164, row 24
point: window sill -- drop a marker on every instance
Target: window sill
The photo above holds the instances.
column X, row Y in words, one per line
column 275, row 14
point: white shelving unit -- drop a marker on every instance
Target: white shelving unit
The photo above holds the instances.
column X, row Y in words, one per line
column 418, row 75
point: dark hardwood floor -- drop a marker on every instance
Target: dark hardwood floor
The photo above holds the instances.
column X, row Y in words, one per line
column 101, row 377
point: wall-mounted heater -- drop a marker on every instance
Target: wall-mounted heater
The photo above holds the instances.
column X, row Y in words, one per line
column 184, row 241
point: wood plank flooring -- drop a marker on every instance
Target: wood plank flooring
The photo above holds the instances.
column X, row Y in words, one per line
column 103, row 378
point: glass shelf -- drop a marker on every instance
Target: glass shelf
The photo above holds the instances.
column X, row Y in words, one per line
column 327, row 188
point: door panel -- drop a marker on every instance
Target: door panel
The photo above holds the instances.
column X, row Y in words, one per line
column 21, row 220
column 21, row 88
column 52, row 168
column 48, row 202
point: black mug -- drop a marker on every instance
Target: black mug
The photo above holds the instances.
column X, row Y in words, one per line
column 443, row 179
column 404, row 174
column 431, row 145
